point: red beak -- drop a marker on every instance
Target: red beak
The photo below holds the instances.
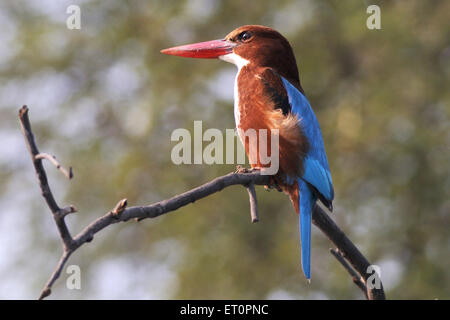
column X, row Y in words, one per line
column 205, row 50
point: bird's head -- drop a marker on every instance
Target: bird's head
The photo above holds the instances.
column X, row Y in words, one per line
column 254, row 45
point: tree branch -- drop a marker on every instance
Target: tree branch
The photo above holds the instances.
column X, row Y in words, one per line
column 122, row 213
column 58, row 213
column 355, row 277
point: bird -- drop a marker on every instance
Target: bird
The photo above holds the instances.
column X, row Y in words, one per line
column 268, row 95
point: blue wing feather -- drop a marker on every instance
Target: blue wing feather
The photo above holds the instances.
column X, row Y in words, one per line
column 316, row 169
column 306, row 201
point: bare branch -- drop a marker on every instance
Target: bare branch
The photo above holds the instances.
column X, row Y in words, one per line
column 121, row 213
column 42, row 178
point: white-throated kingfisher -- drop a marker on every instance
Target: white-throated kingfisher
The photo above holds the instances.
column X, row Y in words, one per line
column 268, row 95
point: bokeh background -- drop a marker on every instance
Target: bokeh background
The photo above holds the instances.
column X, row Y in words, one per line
column 105, row 101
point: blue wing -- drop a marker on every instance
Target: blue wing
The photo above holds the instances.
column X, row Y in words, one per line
column 316, row 169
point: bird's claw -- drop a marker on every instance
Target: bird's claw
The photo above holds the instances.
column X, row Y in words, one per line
column 241, row 169
column 273, row 184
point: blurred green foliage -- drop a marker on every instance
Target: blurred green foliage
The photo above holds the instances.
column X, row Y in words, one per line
column 104, row 100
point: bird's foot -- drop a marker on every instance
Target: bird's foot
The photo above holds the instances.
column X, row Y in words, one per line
column 241, row 169
column 273, row 184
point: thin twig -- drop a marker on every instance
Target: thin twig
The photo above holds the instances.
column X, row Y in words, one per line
column 355, row 277
column 122, row 213
column 347, row 249
column 253, row 202
column 52, row 159
column 47, row 290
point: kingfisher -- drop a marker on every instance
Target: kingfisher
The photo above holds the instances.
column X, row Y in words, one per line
column 268, row 95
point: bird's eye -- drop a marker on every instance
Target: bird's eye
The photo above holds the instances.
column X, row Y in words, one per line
column 244, row 36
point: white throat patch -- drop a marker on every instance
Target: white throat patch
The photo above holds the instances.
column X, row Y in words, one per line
column 239, row 62
column 235, row 59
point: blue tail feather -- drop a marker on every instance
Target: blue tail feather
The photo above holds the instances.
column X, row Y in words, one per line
column 306, row 203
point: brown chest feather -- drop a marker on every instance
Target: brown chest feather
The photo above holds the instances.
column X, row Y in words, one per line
column 263, row 104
